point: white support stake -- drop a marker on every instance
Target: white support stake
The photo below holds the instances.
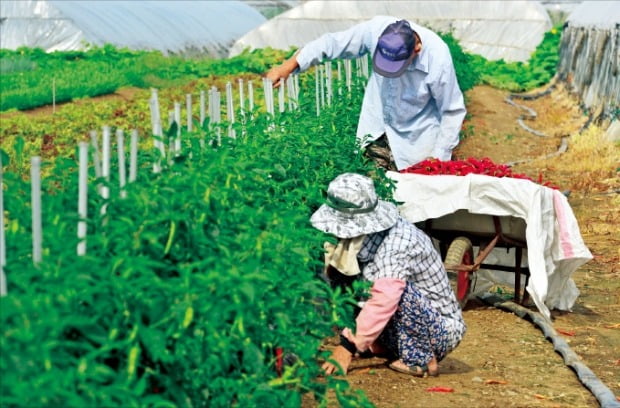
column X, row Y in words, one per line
column 215, row 112
column 348, row 73
column 290, row 89
column 267, row 90
column 272, row 106
column 202, row 108
column 161, row 147
column 281, row 95
column 105, row 169
column 339, row 76
column 322, row 84
column 94, row 140
column 188, row 103
column 251, row 96
column 82, row 198
column 177, row 119
column 293, row 91
column 328, row 82
column 211, row 107
column 317, row 98
column 133, row 156
column 230, row 110
column 157, row 130
column 122, row 168
column 37, row 229
column 297, row 88
column 241, row 98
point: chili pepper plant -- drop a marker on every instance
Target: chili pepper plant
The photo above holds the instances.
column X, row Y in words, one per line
column 191, row 282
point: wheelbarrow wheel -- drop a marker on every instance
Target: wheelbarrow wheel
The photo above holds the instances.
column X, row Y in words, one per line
column 461, row 252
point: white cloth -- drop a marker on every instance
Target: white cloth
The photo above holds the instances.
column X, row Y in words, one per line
column 555, row 248
column 421, row 111
column 343, row 256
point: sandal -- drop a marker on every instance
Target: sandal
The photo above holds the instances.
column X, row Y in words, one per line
column 416, row 371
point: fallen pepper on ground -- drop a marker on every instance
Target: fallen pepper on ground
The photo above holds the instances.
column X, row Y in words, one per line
column 440, row 389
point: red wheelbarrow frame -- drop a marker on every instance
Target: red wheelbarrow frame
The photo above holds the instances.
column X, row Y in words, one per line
column 486, row 241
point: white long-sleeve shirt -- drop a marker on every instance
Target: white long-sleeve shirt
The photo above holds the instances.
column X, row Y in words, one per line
column 420, row 112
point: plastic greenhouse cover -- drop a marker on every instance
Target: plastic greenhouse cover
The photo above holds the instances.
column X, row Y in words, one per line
column 169, row 26
column 596, row 14
column 495, row 29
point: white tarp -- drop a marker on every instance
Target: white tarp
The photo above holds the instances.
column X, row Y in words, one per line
column 495, row 29
column 555, row 248
column 207, row 27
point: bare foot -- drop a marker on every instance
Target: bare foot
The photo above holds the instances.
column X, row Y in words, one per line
column 433, row 367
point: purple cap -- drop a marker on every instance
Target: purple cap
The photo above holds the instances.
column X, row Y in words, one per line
column 394, row 50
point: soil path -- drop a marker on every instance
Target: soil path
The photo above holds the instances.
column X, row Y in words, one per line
column 505, row 361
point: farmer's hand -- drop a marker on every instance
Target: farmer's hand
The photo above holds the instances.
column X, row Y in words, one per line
column 282, row 71
column 342, row 357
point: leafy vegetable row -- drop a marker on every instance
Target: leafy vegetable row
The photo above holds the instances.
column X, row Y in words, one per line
column 33, row 78
column 191, row 283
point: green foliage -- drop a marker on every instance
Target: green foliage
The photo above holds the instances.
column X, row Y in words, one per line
column 195, row 278
column 519, row 76
column 467, row 77
column 191, row 282
column 31, row 77
column 473, row 69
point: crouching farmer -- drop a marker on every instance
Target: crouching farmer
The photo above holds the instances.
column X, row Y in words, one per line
column 412, row 313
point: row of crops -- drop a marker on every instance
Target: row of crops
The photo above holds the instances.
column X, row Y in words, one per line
column 196, row 284
column 32, row 77
column 193, row 276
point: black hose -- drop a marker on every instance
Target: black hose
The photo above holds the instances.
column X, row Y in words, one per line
column 603, row 394
column 531, row 114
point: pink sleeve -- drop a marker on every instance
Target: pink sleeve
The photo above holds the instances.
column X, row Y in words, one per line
column 384, row 298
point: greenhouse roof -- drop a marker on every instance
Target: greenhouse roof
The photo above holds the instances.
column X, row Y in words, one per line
column 495, row 29
column 596, row 14
column 206, row 27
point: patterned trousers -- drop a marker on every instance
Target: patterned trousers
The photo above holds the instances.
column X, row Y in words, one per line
column 417, row 332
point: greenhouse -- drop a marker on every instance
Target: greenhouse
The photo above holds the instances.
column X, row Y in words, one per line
column 590, row 56
column 494, row 29
column 175, row 27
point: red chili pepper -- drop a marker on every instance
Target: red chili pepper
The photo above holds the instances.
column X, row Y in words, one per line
column 470, row 165
column 279, row 362
column 440, row 389
column 566, row 332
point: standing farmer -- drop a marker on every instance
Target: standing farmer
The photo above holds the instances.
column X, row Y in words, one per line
column 412, row 312
column 413, row 107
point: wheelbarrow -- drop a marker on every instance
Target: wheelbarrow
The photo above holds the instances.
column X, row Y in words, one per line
column 458, row 233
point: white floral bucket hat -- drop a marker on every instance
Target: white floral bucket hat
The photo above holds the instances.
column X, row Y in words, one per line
column 353, row 209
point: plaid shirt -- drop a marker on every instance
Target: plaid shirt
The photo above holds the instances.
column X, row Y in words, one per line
column 405, row 252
